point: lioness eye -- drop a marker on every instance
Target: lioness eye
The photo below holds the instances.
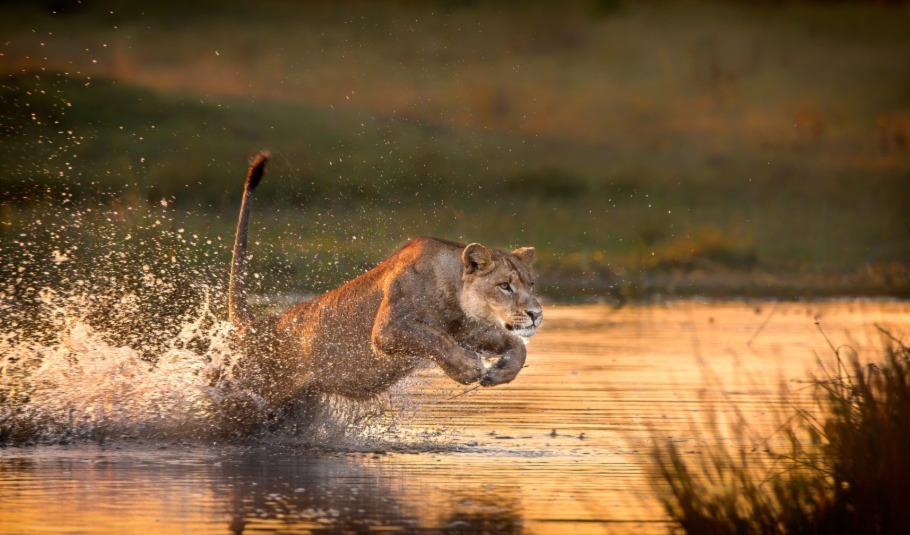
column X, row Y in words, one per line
column 505, row 286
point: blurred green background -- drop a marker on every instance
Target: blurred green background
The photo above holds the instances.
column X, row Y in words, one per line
column 650, row 148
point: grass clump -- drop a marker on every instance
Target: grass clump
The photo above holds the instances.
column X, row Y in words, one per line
column 838, row 467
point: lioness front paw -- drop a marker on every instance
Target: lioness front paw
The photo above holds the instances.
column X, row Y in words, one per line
column 471, row 375
column 498, row 375
column 506, row 368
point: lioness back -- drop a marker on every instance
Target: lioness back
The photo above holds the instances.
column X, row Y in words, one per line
column 334, row 330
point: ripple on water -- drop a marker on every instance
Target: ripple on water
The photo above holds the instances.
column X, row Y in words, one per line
column 564, row 447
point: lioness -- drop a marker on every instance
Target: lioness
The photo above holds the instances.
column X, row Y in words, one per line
column 432, row 299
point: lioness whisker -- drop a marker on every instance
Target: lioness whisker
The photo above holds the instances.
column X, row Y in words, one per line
column 468, row 391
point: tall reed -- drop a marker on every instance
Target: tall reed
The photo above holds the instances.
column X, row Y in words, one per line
column 839, row 465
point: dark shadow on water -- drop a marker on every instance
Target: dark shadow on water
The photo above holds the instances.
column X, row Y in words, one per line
column 345, row 493
column 243, row 489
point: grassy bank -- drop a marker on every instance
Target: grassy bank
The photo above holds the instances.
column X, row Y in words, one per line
column 668, row 148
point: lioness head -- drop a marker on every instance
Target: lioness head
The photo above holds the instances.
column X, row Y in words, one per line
column 497, row 288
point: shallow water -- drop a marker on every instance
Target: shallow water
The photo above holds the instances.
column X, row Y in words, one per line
column 562, row 449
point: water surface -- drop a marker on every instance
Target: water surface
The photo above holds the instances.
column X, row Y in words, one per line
column 562, row 449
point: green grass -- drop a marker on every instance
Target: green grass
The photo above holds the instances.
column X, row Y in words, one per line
column 837, row 467
column 659, row 141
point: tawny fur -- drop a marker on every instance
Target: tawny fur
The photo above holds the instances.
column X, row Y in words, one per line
column 432, row 300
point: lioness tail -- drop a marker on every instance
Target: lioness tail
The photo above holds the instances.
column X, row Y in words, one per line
column 238, row 312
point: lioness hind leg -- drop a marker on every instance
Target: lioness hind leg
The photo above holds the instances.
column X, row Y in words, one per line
column 298, row 415
column 238, row 414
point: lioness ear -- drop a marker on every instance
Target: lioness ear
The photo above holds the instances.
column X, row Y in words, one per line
column 525, row 254
column 476, row 257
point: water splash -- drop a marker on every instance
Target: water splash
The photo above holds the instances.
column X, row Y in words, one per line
column 80, row 385
column 114, row 340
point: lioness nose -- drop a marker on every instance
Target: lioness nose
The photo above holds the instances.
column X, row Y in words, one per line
column 535, row 315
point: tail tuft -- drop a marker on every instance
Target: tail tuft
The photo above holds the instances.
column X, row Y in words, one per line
column 257, row 169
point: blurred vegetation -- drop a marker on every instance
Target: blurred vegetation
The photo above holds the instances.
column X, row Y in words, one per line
column 837, row 467
column 658, row 147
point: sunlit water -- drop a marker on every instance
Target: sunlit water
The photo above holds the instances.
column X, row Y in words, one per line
column 562, row 449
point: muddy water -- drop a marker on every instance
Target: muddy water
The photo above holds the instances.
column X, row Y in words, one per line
column 562, row 449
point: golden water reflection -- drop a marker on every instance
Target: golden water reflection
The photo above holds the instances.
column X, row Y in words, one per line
column 562, row 449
